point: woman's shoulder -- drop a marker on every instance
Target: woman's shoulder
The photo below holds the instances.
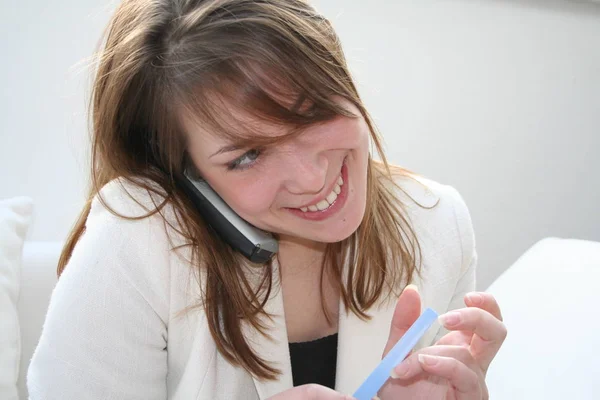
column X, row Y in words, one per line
column 436, row 208
column 141, row 213
column 132, row 198
column 137, row 206
column 427, row 192
column 147, row 243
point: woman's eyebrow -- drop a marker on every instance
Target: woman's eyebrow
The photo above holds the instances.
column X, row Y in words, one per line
column 226, row 149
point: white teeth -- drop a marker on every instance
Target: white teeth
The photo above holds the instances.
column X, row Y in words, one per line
column 331, row 198
column 324, row 204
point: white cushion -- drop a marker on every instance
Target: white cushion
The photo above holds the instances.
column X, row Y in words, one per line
column 38, row 278
column 15, row 217
column 550, row 301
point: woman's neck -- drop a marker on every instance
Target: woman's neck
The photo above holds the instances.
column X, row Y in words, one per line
column 297, row 255
column 306, row 292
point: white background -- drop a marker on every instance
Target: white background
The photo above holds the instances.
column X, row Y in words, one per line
column 500, row 99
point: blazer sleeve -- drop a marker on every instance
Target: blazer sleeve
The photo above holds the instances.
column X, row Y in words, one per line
column 105, row 332
column 468, row 262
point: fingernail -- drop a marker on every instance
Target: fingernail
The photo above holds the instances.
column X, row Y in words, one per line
column 450, row 319
column 427, row 359
column 413, row 287
column 400, row 370
column 475, row 298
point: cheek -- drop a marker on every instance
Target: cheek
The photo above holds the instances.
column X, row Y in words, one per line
column 249, row 199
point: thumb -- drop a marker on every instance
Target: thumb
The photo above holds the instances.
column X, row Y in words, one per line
column 408, row 309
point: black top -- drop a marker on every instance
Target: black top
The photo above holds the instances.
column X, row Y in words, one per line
column 314, row 361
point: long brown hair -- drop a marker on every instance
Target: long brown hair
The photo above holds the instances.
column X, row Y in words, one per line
column 161, row 55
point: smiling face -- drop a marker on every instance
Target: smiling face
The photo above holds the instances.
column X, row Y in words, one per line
column 292, row 187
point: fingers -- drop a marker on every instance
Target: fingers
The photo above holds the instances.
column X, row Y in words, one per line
column 485, row 301
column 462, row 378
column 475, row 320
column 453, row 363
column 412, row 367
column 310, row 392
column 456, row 338
column 489, row 331
column 408, row 309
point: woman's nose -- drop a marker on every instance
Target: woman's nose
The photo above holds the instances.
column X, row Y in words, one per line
column 304, row 173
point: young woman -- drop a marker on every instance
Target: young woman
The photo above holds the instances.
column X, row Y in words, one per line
column 256, row 98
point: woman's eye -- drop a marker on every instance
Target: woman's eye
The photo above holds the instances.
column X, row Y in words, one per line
column 245, row 161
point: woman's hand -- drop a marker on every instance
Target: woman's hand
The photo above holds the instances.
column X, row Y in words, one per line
column 310, row 392
column 455, row 367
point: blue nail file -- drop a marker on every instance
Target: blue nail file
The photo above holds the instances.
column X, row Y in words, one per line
column 381, row 373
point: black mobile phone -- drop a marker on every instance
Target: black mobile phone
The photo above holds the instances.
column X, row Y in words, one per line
column 257, row 245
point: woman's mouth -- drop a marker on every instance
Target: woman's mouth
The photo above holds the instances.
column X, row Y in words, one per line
column 329, row 205
column 329, row 200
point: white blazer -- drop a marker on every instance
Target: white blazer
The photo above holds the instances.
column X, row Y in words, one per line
column 113, row 330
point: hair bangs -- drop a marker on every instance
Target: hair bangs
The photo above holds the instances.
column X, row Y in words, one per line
column 257, row 103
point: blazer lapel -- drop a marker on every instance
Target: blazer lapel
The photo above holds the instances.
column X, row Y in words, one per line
column 275, row 349
column 360, row 346
column 361, row 343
